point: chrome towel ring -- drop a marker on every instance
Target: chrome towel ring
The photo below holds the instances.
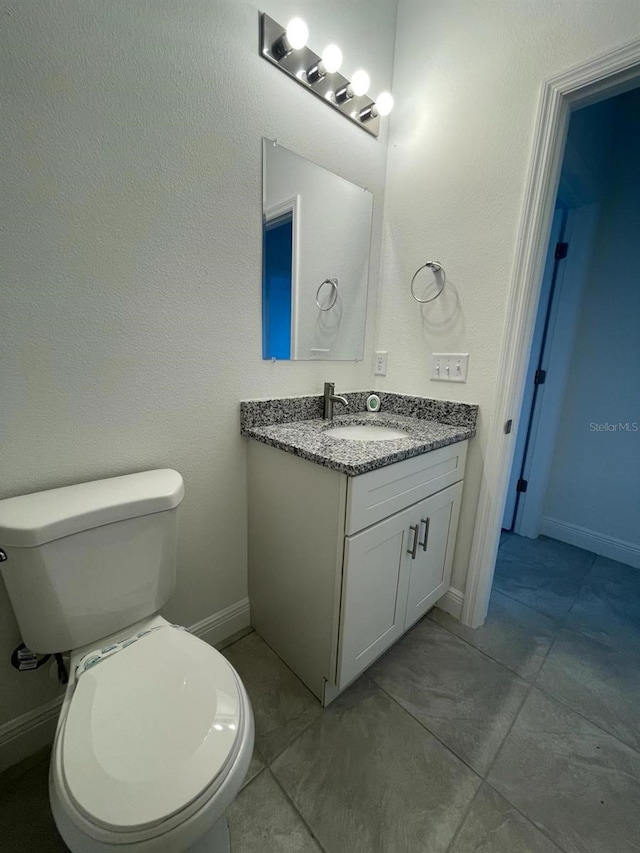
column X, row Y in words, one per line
column 438, row 273
column 334, row 284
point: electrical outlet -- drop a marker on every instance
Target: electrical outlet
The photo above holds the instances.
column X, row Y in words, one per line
column 449, row 366
column 380, row 364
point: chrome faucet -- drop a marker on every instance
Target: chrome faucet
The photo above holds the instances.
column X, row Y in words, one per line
column 329, row 399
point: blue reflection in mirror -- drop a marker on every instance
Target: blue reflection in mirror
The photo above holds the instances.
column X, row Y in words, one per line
column 276, row 287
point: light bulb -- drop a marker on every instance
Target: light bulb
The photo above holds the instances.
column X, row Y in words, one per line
column 332, row 58
column 360, row 82
column 384, row 103
column 297, row 33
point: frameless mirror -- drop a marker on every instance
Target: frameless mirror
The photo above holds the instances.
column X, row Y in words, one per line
column 315, row 260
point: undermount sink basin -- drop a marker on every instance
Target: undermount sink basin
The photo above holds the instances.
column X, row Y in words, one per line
column 365, row 432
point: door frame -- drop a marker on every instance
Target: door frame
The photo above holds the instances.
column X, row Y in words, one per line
column 607, row 75
column 289, row 206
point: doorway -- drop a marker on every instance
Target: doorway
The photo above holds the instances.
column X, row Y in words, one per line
column 612, row 74
column 277, row 240
column 588, row 303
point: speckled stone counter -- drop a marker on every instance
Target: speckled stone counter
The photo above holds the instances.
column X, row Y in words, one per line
column 295, row 425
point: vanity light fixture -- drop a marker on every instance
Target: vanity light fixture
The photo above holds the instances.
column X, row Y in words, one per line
column 384, row 103
column 360, row 82
column 287, row 49
column 381, row 107
column 367, row 113
column 358, row 86
column 329, row 63
column 293, row 38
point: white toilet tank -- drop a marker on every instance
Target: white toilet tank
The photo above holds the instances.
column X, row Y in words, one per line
column 85, row 561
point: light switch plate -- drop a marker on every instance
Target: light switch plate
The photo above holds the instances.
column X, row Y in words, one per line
column 449, row 366
column 380, row 364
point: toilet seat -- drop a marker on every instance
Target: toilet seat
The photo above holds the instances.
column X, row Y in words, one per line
column 150, row 729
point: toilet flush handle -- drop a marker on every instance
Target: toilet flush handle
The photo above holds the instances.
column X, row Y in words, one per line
column 3, row 556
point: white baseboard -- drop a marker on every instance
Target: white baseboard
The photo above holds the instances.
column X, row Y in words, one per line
column 28, row 733
column 32, row 731
column 452, row 601
column 214, row 629
column 581, row 537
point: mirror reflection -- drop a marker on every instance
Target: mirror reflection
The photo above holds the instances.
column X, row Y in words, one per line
column 315, row 260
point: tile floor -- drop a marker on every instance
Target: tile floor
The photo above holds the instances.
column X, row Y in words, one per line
column 520, row 737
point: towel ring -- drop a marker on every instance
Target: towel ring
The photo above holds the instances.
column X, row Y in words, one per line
column 437, row 268
column 334, row 284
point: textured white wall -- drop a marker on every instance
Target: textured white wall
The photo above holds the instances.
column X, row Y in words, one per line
column 595, row 475
column 130, row 279
column 131, row 253
column 467, row 77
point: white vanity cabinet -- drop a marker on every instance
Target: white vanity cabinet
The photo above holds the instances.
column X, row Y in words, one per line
column 393, row 573
column 340, row 567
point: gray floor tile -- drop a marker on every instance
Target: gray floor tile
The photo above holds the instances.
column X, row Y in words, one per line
column 572, row 779
column 11, row 774
column 262, row 820
column 601, row 683
column 229, row 641
column 465, row 699
column 256, row 765
column 494, row 826
column 544, row 551
column 608, row 607
column 548, row 587
column 26, row 822
column 282, row 705
column 370, row 779
column 513, row 634
column 615, row 578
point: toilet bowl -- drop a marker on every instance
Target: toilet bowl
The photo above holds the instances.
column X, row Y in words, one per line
column 153, row 743
column 156, row 733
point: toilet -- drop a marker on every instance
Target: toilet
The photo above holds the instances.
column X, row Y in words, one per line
column 156, row 733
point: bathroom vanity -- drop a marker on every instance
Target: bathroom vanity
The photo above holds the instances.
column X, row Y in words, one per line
column 342, row 563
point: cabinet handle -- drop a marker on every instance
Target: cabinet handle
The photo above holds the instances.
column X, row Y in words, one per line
column 416, row 536
column 425, row 541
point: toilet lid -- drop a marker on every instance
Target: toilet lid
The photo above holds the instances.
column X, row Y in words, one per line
column 149, row 729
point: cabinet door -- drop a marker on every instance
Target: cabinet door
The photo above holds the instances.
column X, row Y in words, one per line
column 374, row 592
column 430, row 569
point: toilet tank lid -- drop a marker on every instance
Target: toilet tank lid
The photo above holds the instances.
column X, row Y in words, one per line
column 30, row 520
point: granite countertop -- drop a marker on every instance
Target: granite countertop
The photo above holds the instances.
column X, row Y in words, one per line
column 308, row 438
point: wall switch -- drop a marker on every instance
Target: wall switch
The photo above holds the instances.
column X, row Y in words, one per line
column 449, row 366
column 380, row 364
